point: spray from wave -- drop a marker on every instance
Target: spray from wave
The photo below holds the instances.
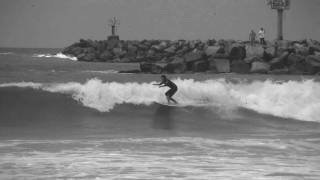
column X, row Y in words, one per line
column 292, row 99
column 59, row 55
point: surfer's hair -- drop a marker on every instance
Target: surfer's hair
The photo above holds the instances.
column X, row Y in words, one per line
column 164, row 76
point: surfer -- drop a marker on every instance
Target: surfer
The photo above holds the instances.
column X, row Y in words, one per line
column 173, row 88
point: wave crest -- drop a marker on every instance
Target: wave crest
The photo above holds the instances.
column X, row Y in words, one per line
column 59, row 55
column 292, row 99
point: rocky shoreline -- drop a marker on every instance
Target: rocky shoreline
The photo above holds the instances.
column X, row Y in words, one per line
column 223, row 56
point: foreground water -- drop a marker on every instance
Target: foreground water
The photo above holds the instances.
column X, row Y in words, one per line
column 61, row 119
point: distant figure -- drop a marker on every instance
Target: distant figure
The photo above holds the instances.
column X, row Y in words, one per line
column 262, row 34
column 173, row 88
column 252, row 37
column 221, row 49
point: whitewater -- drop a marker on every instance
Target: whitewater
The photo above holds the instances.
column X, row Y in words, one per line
column 65, row 119
column 58, row 55
column 299, row 100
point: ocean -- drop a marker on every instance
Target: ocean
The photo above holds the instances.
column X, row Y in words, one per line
column 64, row 119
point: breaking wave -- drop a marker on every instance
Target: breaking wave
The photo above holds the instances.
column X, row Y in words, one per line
column 5, row 53
column 59, row 55
column 291, row 99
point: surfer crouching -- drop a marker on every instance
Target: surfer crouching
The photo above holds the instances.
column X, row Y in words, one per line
column 173, row 88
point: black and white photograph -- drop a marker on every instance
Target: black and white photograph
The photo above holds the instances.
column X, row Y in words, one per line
column 159, row 89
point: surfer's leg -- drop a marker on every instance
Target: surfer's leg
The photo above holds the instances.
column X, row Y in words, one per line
column 168, row 99
column 169, row 95
column 173, row 100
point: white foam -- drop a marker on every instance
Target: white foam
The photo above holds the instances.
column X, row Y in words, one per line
column 5, row 53
column 22, row 85
column 292, row 99
column 59, row 55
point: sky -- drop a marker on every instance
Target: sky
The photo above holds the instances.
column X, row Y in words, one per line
column 59, row 23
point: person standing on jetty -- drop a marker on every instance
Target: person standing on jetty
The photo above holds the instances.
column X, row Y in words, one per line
column 173, row 88
column 252, row 37
column 262, row 34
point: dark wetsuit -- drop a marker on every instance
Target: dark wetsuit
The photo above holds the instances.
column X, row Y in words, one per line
column 173, row 87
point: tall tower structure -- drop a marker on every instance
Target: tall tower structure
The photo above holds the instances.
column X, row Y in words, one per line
column 114, row 24
column 280, row 6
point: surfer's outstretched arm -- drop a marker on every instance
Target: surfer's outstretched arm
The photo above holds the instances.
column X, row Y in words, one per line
column 160, row 85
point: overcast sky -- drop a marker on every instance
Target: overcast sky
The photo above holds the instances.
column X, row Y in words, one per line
column 58, row 23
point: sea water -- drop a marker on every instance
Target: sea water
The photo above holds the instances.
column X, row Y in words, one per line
column 63, row 119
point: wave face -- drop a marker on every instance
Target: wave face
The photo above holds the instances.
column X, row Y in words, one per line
column 58, row 55
column 292, row 99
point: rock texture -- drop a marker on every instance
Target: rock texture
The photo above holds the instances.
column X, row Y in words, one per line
column 223, row 56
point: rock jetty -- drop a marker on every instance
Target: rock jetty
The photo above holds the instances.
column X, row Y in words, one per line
column 223, row 56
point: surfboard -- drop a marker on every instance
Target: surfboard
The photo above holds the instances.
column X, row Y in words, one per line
column 182, row 105
column 171, row 104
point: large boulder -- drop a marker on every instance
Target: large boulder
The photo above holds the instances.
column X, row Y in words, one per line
column 73, row 50
column 237, row 52
column 84, row 43
column 185, row 49
column 132, row 51
column 254, row 51
column 178, row 66
column 88, row 57
column 89, row 50
column 156, row 48
column 143, row 47
column 270, row 50
column 240, row 67
column 111, row 44
column 297, row 64
column 200, row 66
column 211, row 42
column 282, row 46
column 260, row 67
column 193, row 56
column 314, row 45
column 105, row 56
column 313, row 64
column 171, row 49
column 154, row 68
column 151, row 53
column 118, row 52
column 219, row 65
column 250, row 60
column 164, row 44
column 280, row 62
column 211, row 50
column 267, row 56
column 301, row 49
column 228, row 45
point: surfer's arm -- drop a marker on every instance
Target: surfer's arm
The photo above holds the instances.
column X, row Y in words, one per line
column 162, row 84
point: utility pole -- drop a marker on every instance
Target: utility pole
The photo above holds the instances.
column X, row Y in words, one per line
column 280, row 24
column 280, row 6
